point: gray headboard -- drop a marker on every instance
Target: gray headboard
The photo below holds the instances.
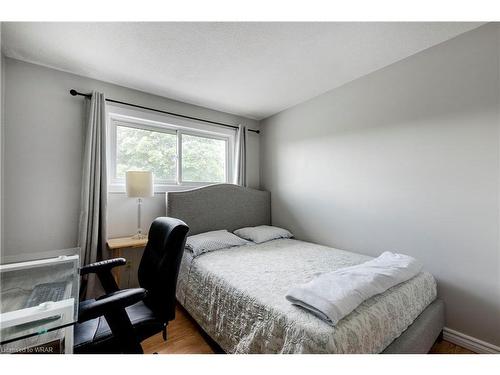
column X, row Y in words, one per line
column 221, row 206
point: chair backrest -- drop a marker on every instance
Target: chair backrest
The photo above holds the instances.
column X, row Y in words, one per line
column 160, row 264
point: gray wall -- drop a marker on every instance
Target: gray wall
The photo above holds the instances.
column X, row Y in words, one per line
column 404, row 159
column 43, row 152
column 1, row 135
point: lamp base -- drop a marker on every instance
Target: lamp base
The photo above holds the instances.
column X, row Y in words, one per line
column 139, row 236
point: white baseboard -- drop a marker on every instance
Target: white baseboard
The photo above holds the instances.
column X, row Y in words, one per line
column 468, row 342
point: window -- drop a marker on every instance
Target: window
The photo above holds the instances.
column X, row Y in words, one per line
column 203, row 159
column 178, row 153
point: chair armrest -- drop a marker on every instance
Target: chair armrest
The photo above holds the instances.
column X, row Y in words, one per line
column 113, row 301
column 102, row 266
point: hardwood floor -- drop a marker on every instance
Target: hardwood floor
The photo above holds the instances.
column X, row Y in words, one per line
column 184, row 337
column 446, row 347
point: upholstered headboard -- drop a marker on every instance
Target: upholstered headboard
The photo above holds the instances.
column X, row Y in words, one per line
column 221, row 206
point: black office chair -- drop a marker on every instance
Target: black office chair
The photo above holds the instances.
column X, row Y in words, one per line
column 118, row 321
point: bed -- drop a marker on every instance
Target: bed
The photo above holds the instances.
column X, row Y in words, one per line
column 237, row 295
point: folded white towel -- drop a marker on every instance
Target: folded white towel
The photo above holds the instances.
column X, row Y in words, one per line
column 333, row 295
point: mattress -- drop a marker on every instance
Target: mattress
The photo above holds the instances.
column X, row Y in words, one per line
column 237, row 296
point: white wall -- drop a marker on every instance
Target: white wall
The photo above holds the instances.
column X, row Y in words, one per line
column 43, row 151
column 404, row 159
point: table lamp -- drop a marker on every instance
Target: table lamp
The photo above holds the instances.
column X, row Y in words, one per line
column 139, row 184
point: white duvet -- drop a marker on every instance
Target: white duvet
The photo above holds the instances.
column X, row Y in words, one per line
column 333, row 295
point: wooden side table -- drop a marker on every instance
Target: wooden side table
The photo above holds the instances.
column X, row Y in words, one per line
column 117, row 245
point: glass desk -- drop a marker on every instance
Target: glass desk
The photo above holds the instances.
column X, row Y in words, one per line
column 45, row 326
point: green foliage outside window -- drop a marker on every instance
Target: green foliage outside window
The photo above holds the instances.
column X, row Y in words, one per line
column 203, row 159
column 138, row 149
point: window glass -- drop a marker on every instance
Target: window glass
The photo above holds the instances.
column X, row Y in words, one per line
column 203, row 159
column 140, row 149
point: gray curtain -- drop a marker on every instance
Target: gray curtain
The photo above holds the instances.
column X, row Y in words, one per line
column 240, row 170
column 92, row 228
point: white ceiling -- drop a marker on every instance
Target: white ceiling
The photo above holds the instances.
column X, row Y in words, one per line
column 250, row 69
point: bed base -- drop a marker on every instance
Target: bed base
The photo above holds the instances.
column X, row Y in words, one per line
column 422, row 334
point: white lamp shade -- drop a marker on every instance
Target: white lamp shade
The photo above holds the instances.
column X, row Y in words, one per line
column 139, row 184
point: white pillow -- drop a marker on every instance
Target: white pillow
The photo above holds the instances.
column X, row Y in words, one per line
column 210, row 241
column 262, row 233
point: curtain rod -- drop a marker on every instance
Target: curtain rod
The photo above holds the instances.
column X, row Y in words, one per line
column 88, row 96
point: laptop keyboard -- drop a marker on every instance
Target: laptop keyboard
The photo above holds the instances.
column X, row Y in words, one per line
column 46, row 292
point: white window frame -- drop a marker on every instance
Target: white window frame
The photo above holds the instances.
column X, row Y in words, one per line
column 121, row 116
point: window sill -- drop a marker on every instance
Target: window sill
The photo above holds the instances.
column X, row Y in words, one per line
column 161, row 189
